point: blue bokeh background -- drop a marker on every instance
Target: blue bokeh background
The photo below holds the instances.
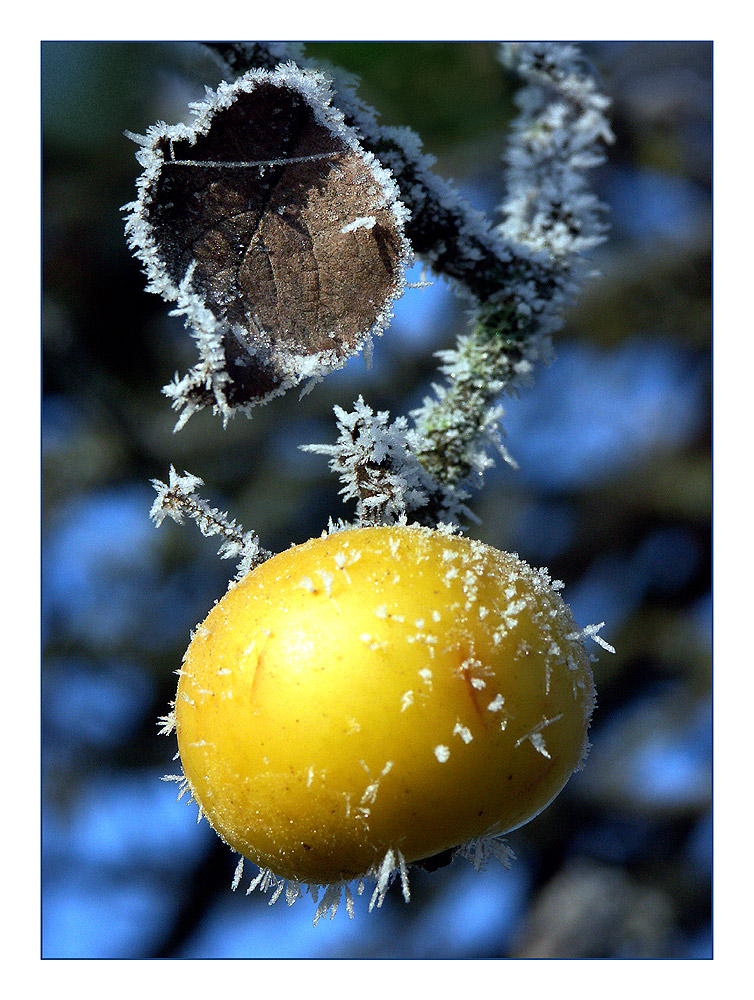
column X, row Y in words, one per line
column 612, row 493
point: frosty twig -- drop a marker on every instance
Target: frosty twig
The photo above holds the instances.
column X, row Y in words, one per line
column 177, row 499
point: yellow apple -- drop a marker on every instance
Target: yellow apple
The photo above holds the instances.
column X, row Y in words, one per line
column 380, row 689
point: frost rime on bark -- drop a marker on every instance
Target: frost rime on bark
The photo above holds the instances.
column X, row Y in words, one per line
column 554, row 141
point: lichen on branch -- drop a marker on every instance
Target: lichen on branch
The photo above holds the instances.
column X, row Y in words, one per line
column 551, row 218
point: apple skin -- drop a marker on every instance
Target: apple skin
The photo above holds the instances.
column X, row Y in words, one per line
column 392, row 688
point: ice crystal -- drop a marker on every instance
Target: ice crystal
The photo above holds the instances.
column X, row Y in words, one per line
column 363, row 222
column 536, row 738
column 377, row 468
column 237, row 875
column 590, row 632
column 481, row 849
column 167, row 723
column 464, row 732
column 392, row 866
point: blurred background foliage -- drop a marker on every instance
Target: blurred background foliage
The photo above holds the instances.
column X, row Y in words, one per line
column 612, row 493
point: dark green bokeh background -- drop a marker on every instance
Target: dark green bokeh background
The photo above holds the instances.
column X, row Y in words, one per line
column 612, row 493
